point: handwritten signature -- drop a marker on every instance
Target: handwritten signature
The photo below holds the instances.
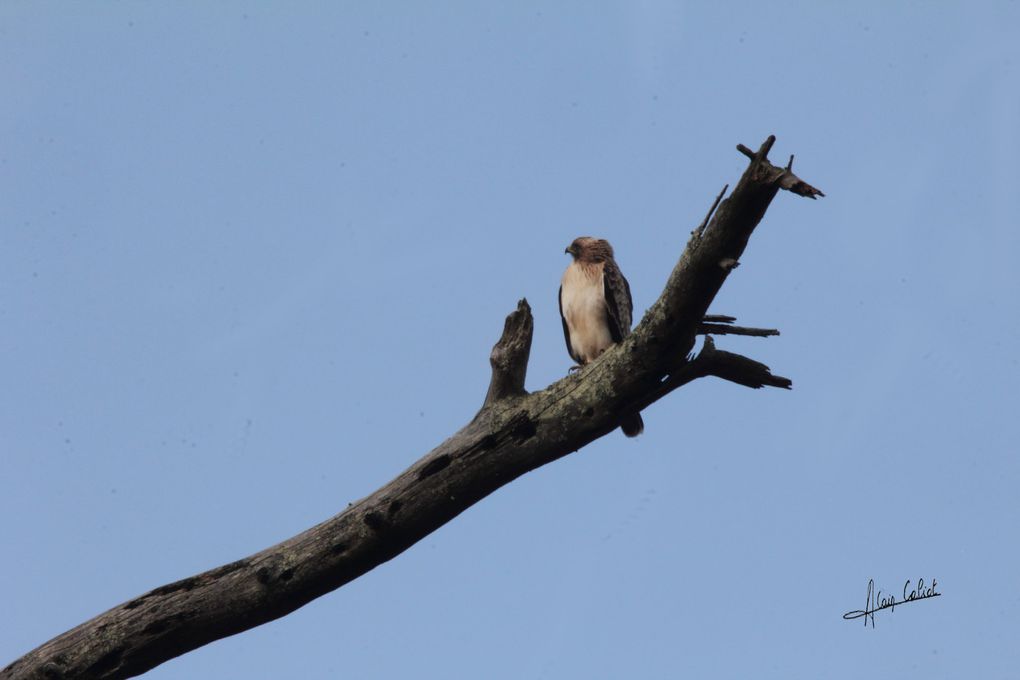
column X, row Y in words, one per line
column 876, row 602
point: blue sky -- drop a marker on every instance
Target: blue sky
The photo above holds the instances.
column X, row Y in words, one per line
column 253, row 258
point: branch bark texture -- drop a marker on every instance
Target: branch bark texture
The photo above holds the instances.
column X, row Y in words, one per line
column 513, row 433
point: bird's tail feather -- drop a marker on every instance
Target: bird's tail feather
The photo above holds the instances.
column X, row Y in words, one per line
column 632, row 426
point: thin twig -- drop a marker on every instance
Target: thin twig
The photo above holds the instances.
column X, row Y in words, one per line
column 715, row 204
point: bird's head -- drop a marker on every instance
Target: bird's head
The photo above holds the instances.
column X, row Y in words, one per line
column 588, row 249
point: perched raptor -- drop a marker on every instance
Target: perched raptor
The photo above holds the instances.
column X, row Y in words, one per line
column 596, row 307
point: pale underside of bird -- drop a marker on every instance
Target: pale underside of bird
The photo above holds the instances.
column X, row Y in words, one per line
column 595, row 307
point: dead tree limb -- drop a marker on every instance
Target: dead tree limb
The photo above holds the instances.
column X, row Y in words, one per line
column 513, row 433
column 726, row 329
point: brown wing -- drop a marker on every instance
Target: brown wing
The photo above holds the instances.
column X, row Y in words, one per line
column 566, row 331
column 619, row 305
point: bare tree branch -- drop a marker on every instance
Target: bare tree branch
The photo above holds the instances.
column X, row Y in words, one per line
column 739, row 369
column 509, row 357
column 715, row 204
column 722, row 329
column 513, row 433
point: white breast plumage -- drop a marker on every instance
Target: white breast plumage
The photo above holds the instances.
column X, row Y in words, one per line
column 584, row 309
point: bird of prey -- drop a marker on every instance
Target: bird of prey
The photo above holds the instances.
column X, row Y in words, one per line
column 596, row 307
